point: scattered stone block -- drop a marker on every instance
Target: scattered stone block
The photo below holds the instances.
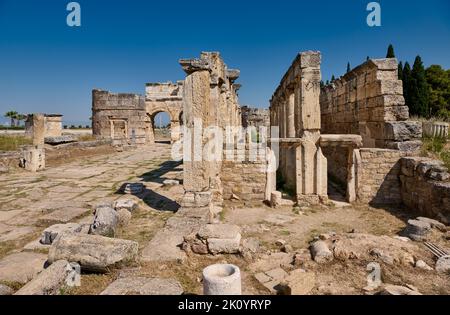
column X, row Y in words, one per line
column 298, row 282
column 60, row 140
column 220, row 238
column 280, row 242
column 50, row 234
column 105, row 222
column 423, row 265
column 271, row 279
column 398, row 290
column 21, row 267
column 144, row 286
column 127, row 204
column 5, row 290
column 224, row 245
column 417, row 230
column 321, row 253
column 443, row 265
column 93, row 252
column 287, row 248
column 49, row 282
column 133, row 188
column 434, row 223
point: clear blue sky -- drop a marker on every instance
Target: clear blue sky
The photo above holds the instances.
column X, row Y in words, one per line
column 46, row 66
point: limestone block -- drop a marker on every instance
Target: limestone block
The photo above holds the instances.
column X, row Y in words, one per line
column 33, row 159
column 144, row 286
column 321, row 253
column 50, row 234
column 298, row 282
column 49, row 281
column 417, row 230
column 443, row 265
column 21, row 267
column 105, row 222
column 224, row 245
column 128, row 204
column 5, row 290
column 92, row 252
column 402, row 130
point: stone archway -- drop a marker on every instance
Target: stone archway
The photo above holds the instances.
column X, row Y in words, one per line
column 174, row 116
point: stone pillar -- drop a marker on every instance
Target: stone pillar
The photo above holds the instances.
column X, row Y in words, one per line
column 291, row 115
column 33, row 157
column 38, row 129
column 196, row 103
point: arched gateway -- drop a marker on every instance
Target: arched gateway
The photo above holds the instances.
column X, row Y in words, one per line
column 128, row 119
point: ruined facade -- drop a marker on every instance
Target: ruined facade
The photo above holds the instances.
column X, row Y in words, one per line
column 128, row 119
column 120, row 117
column 294, row 108
column 209, row 101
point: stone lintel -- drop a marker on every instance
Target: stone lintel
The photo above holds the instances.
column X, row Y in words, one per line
column 233, row 74
column 192, row 65
column 345, row 140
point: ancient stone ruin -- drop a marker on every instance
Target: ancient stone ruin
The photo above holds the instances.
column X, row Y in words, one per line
column 243, row 200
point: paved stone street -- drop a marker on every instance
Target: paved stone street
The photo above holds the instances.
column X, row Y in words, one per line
column 30, row 202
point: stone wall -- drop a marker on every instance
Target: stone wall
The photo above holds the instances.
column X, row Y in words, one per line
column 368, row 101
column 244, row 181
column 426, row 187
column 255, row 117
column 120, row 117
column 377, row 176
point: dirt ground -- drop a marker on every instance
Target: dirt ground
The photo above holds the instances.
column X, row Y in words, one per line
column 67, row 193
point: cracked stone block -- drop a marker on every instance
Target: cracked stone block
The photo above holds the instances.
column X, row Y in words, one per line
column 50, row 233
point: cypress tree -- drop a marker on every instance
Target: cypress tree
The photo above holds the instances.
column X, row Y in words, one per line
column 368, row 58
column 348, row 67
column 400, row 71
column 419, row 92
column 333, row 78
column 406, row 76
column 390, row 52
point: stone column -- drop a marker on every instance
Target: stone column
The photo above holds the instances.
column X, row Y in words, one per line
column 291, row 115
column 38, row 129
column 196, row 103
column 33, row 157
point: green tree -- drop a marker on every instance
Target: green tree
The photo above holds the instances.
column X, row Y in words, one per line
column 439, row 83
column 348, row 67
column 419, row 90
column 12, row 115
column 20, row 117
column 406, row 79
column 400, row 71
column 333, row 78
column 390, row 52
column 368, row 58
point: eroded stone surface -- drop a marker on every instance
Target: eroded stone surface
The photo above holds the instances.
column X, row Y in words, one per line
column 144, row 286
column 21, row 267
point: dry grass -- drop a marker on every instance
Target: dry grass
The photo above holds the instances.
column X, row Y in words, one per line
column 13, row 142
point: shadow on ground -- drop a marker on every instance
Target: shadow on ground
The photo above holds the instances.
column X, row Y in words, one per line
column 157, row 175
